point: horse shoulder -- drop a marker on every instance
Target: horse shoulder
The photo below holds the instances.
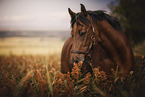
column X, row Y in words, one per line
column 100, row 58
column 65, row 56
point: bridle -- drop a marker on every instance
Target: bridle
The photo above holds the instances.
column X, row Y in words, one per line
column 88, row 57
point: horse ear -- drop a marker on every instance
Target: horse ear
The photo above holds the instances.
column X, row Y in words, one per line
column 83, row 10
column 71, row 12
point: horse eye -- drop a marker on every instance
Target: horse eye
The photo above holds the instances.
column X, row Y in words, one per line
column 83, row 33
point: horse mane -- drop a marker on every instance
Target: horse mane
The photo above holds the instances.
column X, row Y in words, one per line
column 97, row 15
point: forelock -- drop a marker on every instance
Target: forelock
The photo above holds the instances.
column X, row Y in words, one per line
column 79, row 17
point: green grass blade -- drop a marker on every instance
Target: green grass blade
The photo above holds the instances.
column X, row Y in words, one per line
column 18, row 88
column 95, row 88
column 36, row 86
column 49, row 83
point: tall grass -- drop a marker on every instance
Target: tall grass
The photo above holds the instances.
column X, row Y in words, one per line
column 40, row 76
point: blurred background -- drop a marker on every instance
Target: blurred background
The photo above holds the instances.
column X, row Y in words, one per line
column 31, row 27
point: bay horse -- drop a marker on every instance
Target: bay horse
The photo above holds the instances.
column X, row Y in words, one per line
column 98, row 38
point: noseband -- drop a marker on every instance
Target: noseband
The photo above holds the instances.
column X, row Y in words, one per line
column 88, row 53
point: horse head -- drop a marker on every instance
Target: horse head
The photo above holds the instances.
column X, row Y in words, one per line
column 82, row 34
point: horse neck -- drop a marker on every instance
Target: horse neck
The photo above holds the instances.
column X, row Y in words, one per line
column 117, row 40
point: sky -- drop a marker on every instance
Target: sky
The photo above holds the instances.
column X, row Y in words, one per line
column 43, row 14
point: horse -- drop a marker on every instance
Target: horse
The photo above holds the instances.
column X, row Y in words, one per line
column 98, row 39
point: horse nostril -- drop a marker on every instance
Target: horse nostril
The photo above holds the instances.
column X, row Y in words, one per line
column 76, row 61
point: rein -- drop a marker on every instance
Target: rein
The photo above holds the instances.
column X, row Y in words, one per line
column 88, row 53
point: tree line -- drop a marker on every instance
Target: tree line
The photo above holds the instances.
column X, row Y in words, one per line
column 131, row 14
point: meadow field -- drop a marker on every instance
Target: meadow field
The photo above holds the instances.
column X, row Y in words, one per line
column 30, row 45
column 30, row 67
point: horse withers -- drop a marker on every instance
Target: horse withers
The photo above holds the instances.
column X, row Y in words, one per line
column 97, row 39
